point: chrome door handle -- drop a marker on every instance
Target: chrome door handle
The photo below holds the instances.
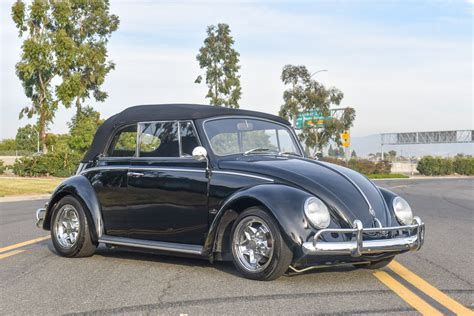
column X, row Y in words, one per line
column 135, row 174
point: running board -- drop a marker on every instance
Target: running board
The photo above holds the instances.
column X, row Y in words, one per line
column 151, row 244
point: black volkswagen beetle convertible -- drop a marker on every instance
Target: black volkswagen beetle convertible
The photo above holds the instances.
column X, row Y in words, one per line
column 224, row 184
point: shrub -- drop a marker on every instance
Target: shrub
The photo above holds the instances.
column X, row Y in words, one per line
column 431, row 166
column 58, row 164
column 2, row 167
column 363, row 166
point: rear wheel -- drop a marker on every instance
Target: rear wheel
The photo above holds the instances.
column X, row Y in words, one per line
column 70, row 231
column 258, row 249
column 375, row 264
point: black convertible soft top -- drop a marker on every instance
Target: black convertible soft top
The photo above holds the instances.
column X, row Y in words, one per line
column 163, row 112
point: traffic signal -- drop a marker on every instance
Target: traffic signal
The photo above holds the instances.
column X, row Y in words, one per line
column 345, row 139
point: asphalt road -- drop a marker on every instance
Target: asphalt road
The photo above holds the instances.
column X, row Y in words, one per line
column 34, row 280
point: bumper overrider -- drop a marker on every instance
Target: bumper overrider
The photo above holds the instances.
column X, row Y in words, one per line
column 358, row 246
column 40, row 213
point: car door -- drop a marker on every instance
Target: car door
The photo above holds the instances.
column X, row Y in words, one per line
column 166, row 186
column 109, row 180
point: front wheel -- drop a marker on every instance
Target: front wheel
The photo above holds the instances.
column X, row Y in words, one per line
column 69, row 230
column 258, row 249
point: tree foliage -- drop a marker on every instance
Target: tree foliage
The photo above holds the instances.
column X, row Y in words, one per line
column 306, row 94
column 27, row 138
column 221, row 62
column 82, row 129
column 82, row 31
column 65, row 41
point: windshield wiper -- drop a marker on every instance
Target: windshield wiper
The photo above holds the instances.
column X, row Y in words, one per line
column 258, row 150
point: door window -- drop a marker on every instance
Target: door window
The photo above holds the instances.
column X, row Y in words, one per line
column 189, row 139
column 159, row 139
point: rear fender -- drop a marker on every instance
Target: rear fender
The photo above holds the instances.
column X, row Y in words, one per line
column 79, row 187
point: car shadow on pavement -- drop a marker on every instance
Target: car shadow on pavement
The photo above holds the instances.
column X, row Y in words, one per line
column 186, row 261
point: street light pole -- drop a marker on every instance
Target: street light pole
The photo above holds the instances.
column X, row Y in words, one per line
column 322, row 70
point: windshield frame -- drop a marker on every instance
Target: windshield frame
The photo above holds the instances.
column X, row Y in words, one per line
column 290, row 131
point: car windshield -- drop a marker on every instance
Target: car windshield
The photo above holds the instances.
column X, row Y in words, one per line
column 249, row 137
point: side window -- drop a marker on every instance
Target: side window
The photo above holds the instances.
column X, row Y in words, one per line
column 189, row 139
column 124, row 142
column 159, row 139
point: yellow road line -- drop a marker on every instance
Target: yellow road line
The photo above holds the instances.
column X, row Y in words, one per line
column 22, row 244
column 408, row 296
column 430, row 290
column 9, row 254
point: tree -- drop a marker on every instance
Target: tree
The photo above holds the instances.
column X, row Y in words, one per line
column 27, row 138
column 354, row 154
column 221, row 62
column 82, row 31
column 36, row 67
column 307, row 95
column 63, row 40
column 391, row 155
column 82, row 129
column 340, row 152
column 331, row 151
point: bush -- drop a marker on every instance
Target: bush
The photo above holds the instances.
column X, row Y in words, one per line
column 433, row 166
column 363, row 166
column 2, row 167
column 58, row 164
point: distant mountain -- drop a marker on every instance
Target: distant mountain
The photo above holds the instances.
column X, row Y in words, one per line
column 371, row 144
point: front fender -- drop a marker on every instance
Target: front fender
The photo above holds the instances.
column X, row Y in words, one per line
column 284, row 202
column 80, row 187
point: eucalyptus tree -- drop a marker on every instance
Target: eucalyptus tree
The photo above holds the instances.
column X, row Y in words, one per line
column 64, row 42
column 307, row 95
column 221, row 62
column 82, row 31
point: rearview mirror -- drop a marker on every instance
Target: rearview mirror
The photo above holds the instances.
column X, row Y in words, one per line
column 200, row 153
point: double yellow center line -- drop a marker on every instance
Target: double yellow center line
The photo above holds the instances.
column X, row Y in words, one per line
column 415, row 300
column 12, row 250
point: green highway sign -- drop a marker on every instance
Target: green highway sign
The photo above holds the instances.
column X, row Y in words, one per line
column 311, row 118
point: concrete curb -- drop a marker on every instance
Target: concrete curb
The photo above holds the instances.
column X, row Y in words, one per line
column 18, row 198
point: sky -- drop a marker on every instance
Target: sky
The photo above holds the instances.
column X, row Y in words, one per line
column 403, row 65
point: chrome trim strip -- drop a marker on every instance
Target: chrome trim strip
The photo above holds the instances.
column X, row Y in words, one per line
column 288, row 127
column 80, row 167
column 242, row 175
column 142, row 168
column 150, row 244
column 359, row 247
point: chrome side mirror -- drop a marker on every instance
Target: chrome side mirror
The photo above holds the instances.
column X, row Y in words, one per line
column 200, row 153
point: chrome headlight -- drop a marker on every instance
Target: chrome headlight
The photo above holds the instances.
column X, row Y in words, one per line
column 317, row 212
column 402, row 211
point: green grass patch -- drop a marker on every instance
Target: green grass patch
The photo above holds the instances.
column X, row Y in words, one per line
column 387, row 176
column 11, row 186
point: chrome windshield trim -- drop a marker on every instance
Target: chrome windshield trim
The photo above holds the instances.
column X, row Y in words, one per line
column 243, row 175
column 287, row 127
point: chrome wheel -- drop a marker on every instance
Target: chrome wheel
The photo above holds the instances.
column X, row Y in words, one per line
column 66, row 227
column 253, row 244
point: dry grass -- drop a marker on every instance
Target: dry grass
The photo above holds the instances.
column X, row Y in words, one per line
column 10, row 186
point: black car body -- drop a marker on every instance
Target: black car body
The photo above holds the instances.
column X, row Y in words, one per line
column 177, row 179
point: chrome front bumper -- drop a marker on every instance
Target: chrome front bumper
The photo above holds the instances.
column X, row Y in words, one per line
column 358, row 246
column 40, row 213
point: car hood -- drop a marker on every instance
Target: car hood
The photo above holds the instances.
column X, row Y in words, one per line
column 347, row 192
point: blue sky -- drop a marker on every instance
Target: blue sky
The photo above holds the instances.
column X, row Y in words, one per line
column 403, row 65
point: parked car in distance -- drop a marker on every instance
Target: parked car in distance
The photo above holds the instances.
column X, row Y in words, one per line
column 224, row 184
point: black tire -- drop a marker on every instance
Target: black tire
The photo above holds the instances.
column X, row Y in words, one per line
column 374, row 265
column 281, row 257
column 83, row 245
